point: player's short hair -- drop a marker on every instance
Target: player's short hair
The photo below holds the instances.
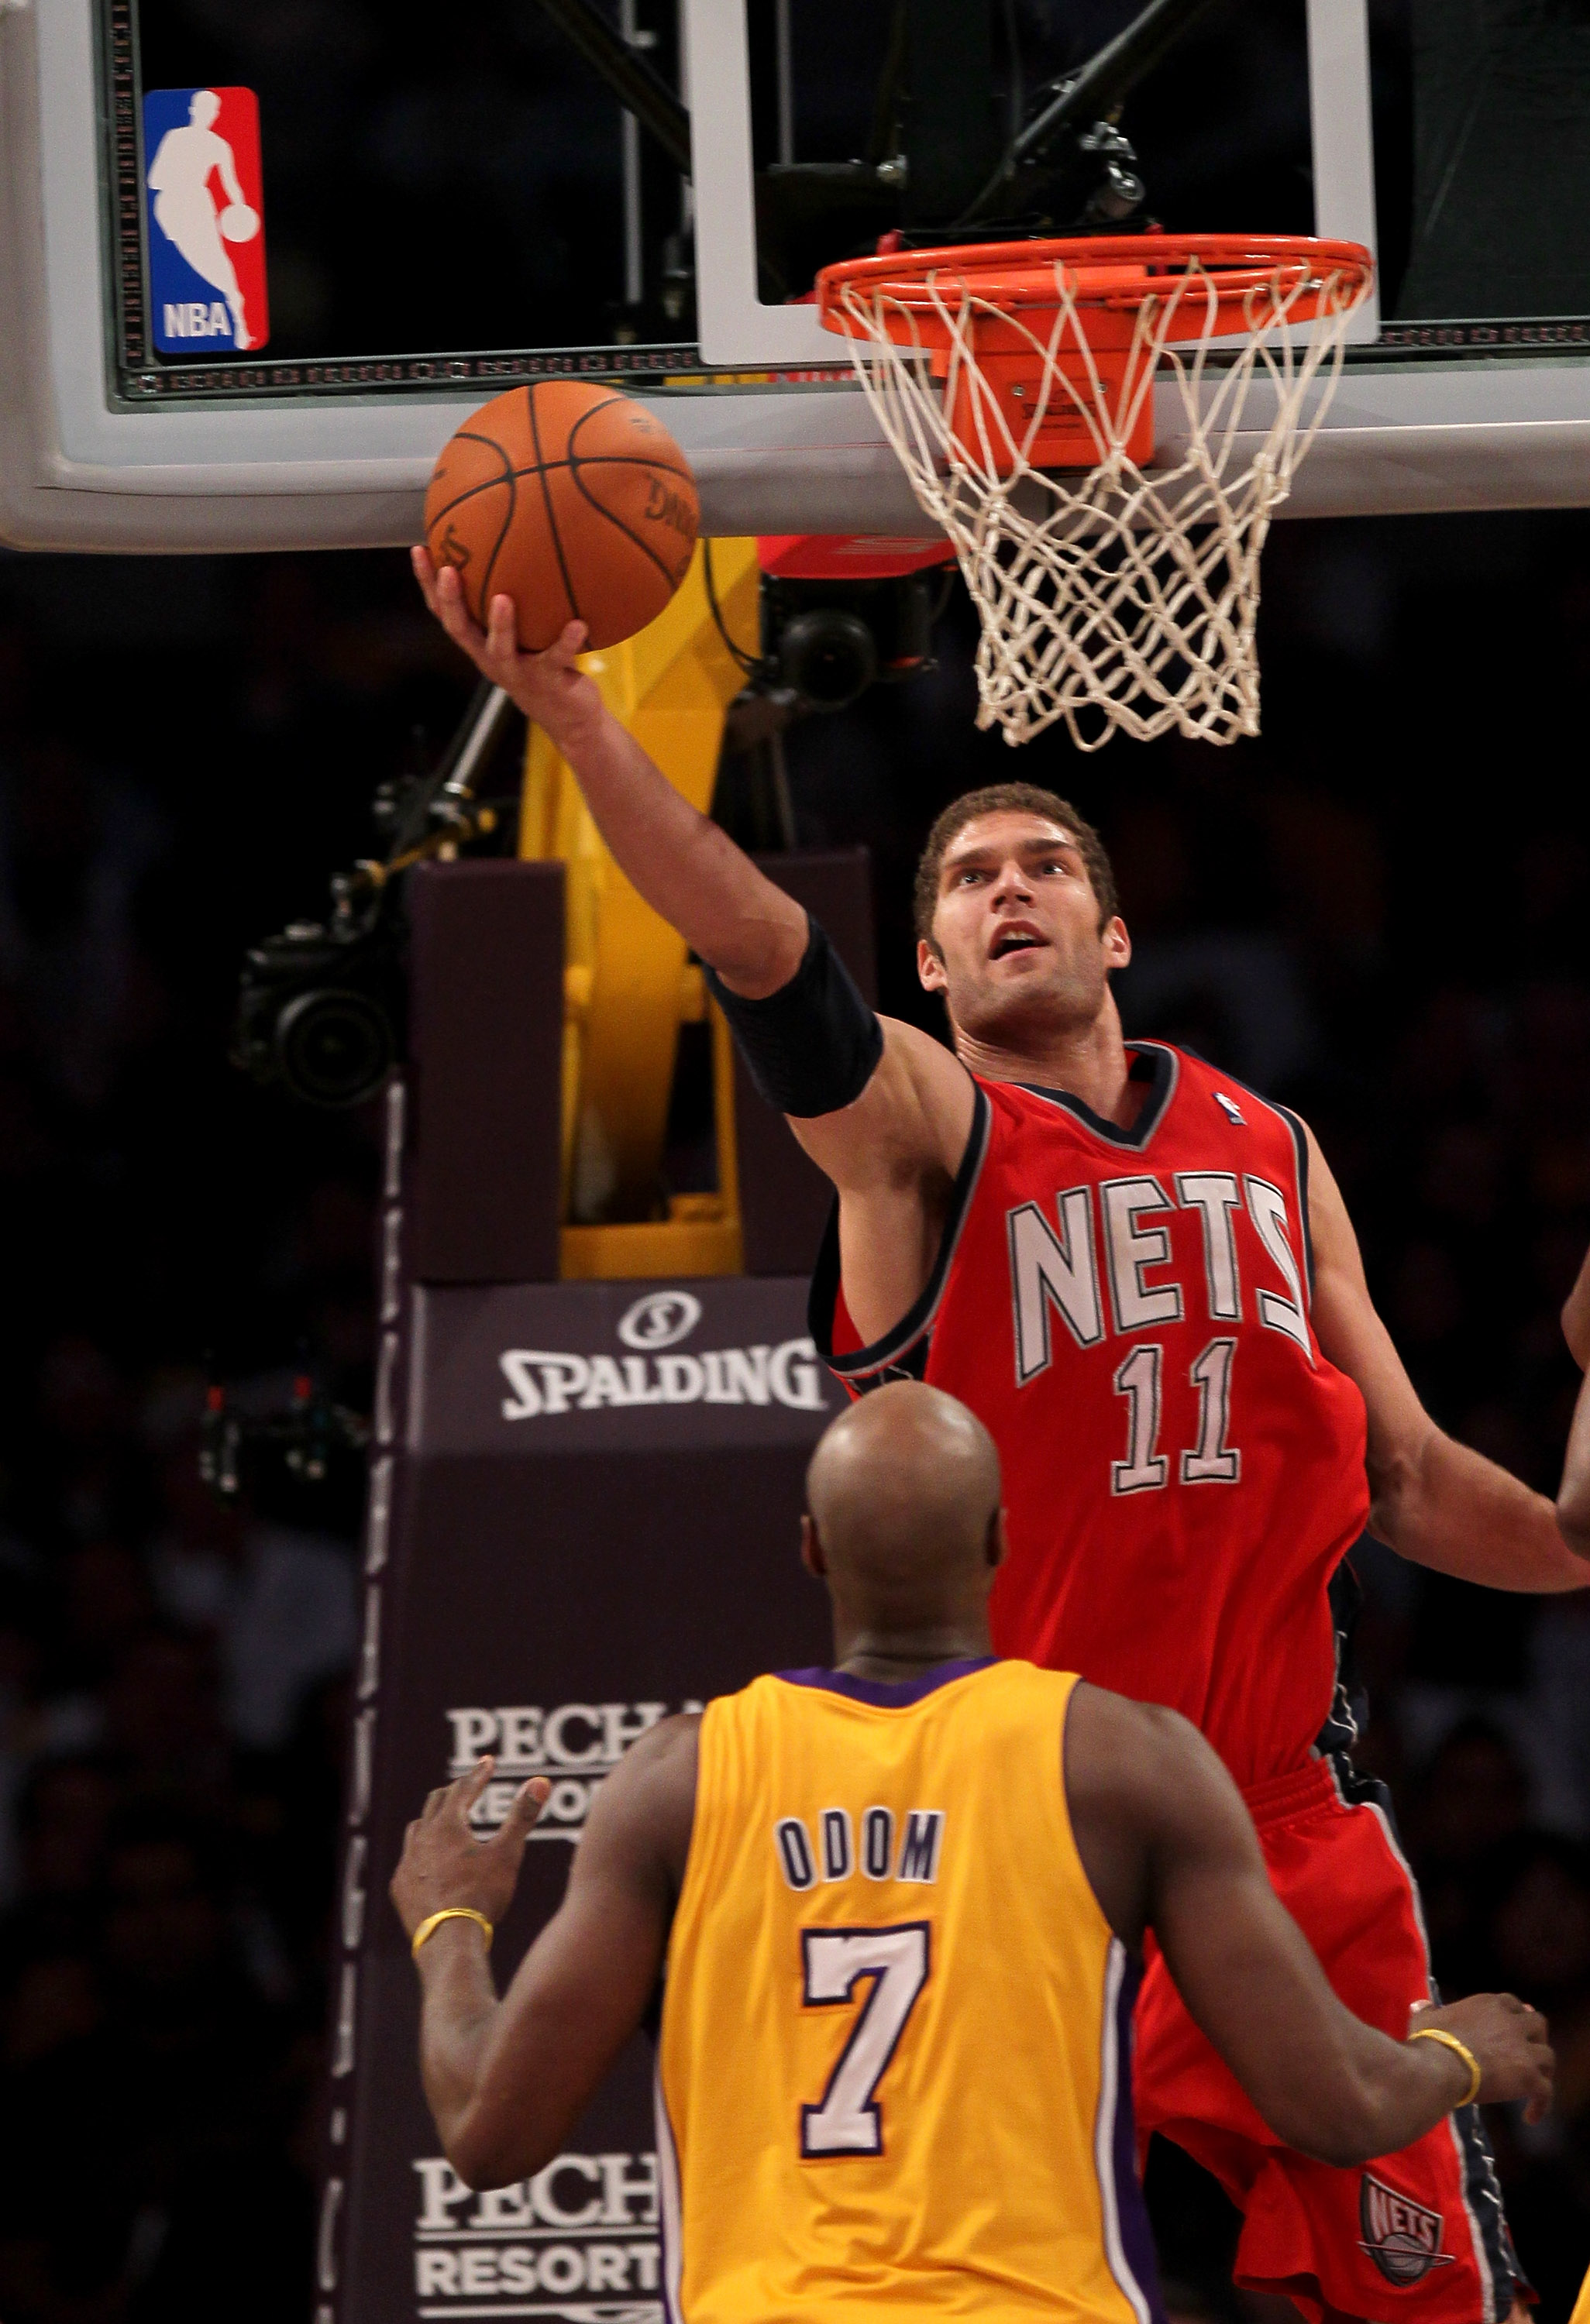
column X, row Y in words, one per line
column 1010, row 798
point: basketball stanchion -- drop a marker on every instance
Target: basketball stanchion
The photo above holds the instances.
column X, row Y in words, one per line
column 1017, row 383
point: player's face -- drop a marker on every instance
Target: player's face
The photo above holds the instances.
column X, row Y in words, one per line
column 1019, row 949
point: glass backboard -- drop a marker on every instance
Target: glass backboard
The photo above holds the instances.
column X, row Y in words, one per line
column 449, row 201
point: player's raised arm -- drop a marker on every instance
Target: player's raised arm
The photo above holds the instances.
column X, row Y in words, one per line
column 507, row 2080
column 891, row 1103
column 685, row 867
column 1168, row 1844
column 1432, row 1499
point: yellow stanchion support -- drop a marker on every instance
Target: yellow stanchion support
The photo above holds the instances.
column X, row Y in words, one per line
column 628, row 985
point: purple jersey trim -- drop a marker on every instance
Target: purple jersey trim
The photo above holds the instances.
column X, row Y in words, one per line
column 886, row 1694
column 1137, row 2237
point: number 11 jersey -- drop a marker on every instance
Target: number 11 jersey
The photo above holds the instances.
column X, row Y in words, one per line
column 1128, row 1312
column 892, row 2068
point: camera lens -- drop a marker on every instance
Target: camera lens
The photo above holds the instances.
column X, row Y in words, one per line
column 828, row 657
column 334, row 1048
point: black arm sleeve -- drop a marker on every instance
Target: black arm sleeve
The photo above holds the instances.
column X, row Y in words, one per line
column 812, row 1046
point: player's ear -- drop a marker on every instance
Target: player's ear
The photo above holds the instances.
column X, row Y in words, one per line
column 998, row 1540
column 811, row 1551
column 1117, row 943
column 931, row 966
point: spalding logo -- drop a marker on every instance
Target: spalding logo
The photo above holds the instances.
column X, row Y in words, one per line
column 660, row 1320
column 665, row 506
column 1401, row 2237
column 551, row 1381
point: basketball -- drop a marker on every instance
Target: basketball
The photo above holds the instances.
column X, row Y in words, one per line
column 239, row 222
column 571, row 499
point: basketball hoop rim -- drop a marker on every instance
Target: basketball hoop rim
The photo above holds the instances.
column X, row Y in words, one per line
column 1097, row 271
column 1020, row 385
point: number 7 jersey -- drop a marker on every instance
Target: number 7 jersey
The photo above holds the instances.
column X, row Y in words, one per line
column 893, row 2068
column 1129, row 1314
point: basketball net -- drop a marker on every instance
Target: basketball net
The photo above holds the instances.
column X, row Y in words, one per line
column 1113, row 594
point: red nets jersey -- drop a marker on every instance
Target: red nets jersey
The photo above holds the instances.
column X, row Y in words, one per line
column 1128, row 1310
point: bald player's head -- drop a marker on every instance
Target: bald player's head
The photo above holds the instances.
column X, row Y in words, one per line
column 903, row 1492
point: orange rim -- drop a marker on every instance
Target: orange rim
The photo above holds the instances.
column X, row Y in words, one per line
column 1114, row 273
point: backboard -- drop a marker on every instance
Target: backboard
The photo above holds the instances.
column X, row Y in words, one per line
column 450, row 201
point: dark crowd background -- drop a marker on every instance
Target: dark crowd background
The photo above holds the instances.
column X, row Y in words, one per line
column 1377, row 911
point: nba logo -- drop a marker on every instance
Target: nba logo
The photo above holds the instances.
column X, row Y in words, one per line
column 206, row 212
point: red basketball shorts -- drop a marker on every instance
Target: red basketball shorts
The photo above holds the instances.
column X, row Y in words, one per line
column 1417, row 2235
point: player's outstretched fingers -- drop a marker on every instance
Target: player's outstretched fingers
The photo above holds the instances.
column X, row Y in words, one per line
column 425, row 575
column 501, row 635
column 521, row 1818
column 444, row 597
column 446, row 603
column 567, row 647
column 462, row 1795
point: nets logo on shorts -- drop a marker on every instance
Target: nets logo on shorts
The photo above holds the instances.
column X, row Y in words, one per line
column 1401, row 2237
column 205, row 203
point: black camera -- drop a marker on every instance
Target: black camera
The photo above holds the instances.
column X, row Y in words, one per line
column 322, row 1007
column 827, row 642
column 322, row 1012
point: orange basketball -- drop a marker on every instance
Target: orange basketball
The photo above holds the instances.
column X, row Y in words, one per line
column 572, row 500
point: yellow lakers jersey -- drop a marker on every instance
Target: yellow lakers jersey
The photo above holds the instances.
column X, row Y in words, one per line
column 894, row 2070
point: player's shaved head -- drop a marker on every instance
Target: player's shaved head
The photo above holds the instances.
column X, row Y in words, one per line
column 903, row 1491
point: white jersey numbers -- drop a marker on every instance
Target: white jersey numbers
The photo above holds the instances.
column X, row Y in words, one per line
column 892, row 1964
column 1214, row 1461
column 1143, row 1471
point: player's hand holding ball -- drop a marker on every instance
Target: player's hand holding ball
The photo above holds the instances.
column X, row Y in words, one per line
column 560, row 517
column 549, row 688
column 445, row 1867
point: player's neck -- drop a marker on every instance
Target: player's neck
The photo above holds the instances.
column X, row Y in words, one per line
column 902, row 1654
column 1087, row 1061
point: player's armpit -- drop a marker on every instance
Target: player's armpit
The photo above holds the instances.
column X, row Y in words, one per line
column 1433, row 1500
column 910, row 1121
column 585, row 1985
column 894, row 1156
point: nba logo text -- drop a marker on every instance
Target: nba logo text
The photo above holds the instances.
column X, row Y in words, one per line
column 205, row 204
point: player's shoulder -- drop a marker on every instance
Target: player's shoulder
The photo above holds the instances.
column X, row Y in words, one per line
column 638, row 1830
column 663, row 1757
column 1125, row 1754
